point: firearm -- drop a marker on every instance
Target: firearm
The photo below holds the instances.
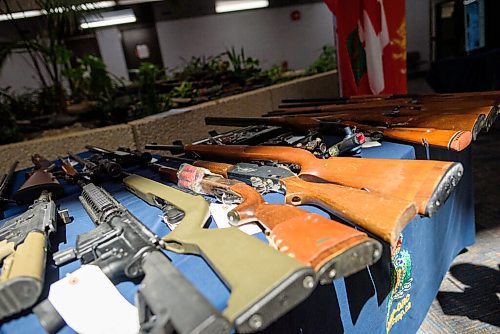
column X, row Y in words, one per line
column 455, row 140
column 38, row 180
column 97, row 166
column 23, row 250
column 5, row 182
column 329, row 247
column 379, row 214
column 124, row 249
column 123, row 156
column 428, row 183
column 466, row 115
column 264, row 283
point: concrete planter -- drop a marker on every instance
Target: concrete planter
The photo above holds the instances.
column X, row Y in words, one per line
column 186, row 124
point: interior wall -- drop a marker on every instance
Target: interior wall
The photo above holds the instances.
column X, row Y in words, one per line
column 19, row 74
column 269, row 35
column 110, row 45
column 418, row 29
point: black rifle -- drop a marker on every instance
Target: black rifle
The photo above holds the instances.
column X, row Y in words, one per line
column 98, row 167
column 5, row 182
column 125, row 249
column 125, row 157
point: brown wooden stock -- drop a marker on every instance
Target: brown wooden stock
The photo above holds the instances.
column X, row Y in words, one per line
column 411, row 180
column 306, row 236
column 451, row 139
column 39, row 181
column 381, row 215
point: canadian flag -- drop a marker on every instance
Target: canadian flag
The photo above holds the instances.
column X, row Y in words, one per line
column 371, row 46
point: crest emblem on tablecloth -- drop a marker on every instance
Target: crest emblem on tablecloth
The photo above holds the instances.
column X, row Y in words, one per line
column 401, row 281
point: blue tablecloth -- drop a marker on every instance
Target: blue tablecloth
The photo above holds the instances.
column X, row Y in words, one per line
column 394, row 294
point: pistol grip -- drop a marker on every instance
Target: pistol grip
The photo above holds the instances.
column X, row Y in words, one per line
column 22, row 285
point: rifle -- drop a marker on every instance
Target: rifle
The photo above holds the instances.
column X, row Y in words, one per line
column 464, row 115
column 123, row 156
column 40, row 179
column 264, row 283
column 450, row 139
column 5, row 182
column 125, row 249
column 428, row 183
column 381, row 215
column 329, row 247
column 96, row 167
column 23, row 249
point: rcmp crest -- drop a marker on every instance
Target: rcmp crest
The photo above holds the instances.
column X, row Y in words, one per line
column 401, row 281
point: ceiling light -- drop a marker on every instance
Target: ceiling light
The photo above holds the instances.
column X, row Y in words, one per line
column 224, row 6
column 109, row 19
column 35, row 13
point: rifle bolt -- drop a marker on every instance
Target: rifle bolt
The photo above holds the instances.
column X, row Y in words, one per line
column 255, row 321
column 233, row 217
column 308, row 282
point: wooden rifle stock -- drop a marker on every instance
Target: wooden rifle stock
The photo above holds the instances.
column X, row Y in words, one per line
column 330, row 248
column 426, row 182
column 455, row 140
column 379, row 214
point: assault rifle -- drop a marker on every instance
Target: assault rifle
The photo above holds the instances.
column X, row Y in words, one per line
column 125, row 249
column 264, row 283
column 23, row 250
column 450, row 139
column 428, row 183
column 379, row 214
column 5, row 182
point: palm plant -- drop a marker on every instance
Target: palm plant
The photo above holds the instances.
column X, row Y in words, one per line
column 46, row 48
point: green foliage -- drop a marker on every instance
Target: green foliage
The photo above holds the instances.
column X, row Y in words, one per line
column 241, row 65
column 327, row 61
column 200, row 67
column 91, row 80
column 8, row 126
column 149, row 99
column 184, row 90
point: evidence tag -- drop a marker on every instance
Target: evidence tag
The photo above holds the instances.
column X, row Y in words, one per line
column 89, row 303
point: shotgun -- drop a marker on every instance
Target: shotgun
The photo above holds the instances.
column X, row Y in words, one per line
column 125, row 157
column 450, row 139
column 428, row 183
column 264, row 283
column 381, row 215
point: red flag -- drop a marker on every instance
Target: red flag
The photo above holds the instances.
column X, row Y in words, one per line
column 371, row 44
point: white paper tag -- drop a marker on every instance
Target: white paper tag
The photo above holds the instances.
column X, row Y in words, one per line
column 369, row 144
column 89, row 303
column 219, row 213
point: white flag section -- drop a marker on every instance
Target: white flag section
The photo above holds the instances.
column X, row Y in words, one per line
column 90, row 304
column 374, row 48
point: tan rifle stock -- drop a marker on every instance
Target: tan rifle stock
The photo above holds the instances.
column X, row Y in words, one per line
column 379, row 214
column 325, row 245
column 259, row 277
column 426, row 182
